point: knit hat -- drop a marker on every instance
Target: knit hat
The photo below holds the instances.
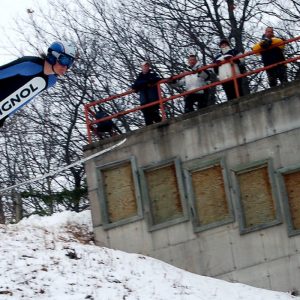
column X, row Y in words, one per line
column 224, row 41
column 145, row 63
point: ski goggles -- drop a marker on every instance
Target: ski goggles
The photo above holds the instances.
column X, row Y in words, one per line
column 64, row 59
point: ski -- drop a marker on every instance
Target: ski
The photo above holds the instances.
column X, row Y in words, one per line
column 66, row 167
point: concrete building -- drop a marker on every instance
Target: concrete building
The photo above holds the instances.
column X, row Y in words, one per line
column 215, row 192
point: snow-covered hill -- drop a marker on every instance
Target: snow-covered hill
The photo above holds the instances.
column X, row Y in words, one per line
column 54, row 258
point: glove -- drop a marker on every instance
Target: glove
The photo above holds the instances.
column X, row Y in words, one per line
column 2, row 121
column 265, row 43
column 172, row 80
column 242, row 67
column 227, row 57
column 203, row 74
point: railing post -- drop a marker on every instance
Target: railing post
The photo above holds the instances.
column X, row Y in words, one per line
column 235, row 80
column 86, row 113
column 161, row 103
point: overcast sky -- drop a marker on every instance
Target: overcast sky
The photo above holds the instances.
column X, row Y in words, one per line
column 10, row 11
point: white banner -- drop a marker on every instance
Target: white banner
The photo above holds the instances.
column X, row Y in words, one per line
column 20, row 97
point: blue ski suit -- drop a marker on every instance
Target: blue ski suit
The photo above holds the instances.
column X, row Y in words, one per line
column 18, row 73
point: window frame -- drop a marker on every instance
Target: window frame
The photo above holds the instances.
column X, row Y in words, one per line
column 247, row 167
column 284, row 197
column 198, row 165
column 103, row 200
column 181, row 189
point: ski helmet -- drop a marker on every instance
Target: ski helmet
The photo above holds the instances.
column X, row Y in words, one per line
column 62, row 52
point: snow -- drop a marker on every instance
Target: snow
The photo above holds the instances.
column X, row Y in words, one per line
column 54, row 258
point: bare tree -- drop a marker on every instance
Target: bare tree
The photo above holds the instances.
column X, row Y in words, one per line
column 112, row 39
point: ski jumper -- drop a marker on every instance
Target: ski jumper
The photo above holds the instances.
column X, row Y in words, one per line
column 20, row 81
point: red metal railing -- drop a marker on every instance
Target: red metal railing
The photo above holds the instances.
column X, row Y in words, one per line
column 88, row 111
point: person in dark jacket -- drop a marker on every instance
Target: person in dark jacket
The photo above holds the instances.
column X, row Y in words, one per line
column 272, row 56
column 145, row 85
column 224, row 71
column 105, row 128
column 23, row 79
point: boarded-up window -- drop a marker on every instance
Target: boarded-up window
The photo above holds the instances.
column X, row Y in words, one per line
column 292, row 184
column 209, row 196
column 164, row 196
column 119, row 192
column 256, row 196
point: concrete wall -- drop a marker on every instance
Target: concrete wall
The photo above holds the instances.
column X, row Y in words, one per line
column 256, row 127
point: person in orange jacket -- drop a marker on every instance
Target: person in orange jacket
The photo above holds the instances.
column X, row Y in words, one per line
column 272, row 56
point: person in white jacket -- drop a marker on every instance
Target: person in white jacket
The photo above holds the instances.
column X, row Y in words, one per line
column 194, row 81
column 224, row 71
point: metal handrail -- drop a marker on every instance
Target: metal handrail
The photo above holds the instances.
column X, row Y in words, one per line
column 162, row 100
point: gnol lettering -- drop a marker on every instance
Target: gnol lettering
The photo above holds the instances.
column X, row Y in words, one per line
column 20, row 97
column 7, row 105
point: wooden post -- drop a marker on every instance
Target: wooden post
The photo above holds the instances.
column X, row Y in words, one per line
column 19, row 207
column 2, row 215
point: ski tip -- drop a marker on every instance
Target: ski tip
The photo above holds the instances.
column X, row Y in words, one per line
column 122, row 142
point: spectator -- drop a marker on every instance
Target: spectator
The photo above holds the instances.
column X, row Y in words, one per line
column 225, row 70
column 103, row 129
column 194, row 81
column 272, row 56
column 297, row 76
column 28, row 76
column 212, row 98
column 145, row 84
